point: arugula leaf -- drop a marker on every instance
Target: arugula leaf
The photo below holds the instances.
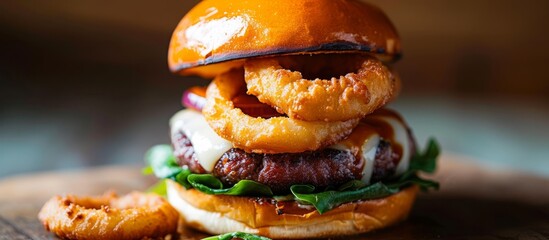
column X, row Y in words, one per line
column 420, row 162
column 327, row 200
column 182, row 177
column 162, row 161
column 209, row 184
column 427, row 161
column 239, row 235
column 423, row 162
column 206, row 181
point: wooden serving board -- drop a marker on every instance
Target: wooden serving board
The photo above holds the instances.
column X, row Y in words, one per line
column 474, row 202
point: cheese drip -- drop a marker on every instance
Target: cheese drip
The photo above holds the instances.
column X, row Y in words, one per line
column 400, row 137
column 207, row 145
column 362, row 142
column 365, row 138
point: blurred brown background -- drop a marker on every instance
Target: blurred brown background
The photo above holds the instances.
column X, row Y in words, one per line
column 86, row 83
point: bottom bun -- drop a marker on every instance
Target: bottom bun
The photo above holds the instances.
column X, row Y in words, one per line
column 218, row 214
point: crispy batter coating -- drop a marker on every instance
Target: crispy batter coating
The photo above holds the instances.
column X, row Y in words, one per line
column 259, row 135
column 133, row 216
column 351, row 95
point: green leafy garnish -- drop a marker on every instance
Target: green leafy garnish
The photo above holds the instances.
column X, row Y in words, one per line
column 209, row 184
column 324, row 201
column 163, row 163
column 240, row 235
column 424, row 162
column 182, row 177
column 421, row 162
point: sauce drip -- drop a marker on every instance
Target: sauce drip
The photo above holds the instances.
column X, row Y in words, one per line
column 360, row 134
column 372, row 124
column 383, row 124
column 386, row 131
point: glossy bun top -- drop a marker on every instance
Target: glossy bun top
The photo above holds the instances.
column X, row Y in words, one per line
column 215, row 32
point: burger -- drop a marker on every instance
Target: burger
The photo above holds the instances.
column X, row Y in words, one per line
column 291, row 138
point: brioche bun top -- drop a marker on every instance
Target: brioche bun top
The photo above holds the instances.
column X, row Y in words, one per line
column 216, row 32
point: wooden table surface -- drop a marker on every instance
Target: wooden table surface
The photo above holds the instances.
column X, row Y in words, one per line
column 474, row 202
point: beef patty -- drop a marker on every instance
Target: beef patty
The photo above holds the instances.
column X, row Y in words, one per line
column 322, row 168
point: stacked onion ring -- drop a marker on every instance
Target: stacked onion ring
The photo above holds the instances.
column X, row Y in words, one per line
column 353, row 95
column 318, row 112
column 260, row 135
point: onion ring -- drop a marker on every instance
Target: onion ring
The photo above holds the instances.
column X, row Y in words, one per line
column 133, row 216
column 259, row 135
column 353, row 95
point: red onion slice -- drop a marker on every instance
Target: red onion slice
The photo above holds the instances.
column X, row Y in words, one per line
column 194, row 98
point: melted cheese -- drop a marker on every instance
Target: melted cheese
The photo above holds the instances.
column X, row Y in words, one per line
column 364, row 140
column 368, row 149
column 208, row 146
column 401, row 137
